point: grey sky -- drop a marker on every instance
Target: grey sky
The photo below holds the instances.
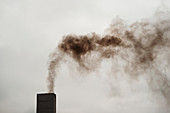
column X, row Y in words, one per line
column 31, row 29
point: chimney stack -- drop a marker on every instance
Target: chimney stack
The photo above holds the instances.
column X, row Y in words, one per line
column 46, row 103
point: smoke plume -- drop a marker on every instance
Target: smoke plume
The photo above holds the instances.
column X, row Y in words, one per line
column 143, row 45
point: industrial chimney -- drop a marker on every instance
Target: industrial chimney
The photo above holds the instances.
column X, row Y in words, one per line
column 46, row 103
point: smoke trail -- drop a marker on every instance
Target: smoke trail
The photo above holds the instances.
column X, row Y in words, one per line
column 139, row 44
column 77, row 47
column 53, row 65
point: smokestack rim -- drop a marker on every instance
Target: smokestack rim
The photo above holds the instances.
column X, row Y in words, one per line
column 46, row 94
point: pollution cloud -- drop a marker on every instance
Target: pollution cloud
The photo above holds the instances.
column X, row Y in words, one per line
column 143, row 45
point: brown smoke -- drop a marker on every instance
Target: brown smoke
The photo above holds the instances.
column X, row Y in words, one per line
column 78, row 46
column 140, row 44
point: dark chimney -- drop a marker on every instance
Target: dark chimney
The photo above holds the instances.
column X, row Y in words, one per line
column 46, row 103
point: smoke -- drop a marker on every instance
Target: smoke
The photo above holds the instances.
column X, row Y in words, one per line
column 143, row 45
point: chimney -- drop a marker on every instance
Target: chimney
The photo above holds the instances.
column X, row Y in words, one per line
column 46, row 103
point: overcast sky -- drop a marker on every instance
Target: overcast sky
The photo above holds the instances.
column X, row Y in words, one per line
column 31, row 29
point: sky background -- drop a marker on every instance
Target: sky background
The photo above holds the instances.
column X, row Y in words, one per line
column 31, row 29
